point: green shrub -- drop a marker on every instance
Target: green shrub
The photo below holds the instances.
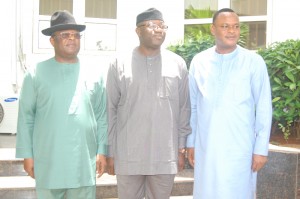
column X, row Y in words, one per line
column 283, row 62
column 191, row 47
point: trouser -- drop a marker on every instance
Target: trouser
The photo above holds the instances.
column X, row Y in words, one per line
column 74, row 193
column 145, row 186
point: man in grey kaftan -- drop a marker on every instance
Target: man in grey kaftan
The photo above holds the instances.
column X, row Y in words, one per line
column 149, row 112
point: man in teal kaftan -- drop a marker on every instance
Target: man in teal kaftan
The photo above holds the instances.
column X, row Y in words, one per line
column 62, row 121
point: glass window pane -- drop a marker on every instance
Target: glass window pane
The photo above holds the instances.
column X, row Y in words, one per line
column 196, row 31
column 101, row 9
column 49, row 7
column 257, row 35
column 249, row 7
column 198, row 9
column 100, row 37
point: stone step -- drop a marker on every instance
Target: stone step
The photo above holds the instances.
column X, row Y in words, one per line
column 172, row 197
column 15, row 184
column 9, row 165
column 17, row 187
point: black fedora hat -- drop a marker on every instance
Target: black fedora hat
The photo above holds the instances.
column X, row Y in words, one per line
column 62, row 20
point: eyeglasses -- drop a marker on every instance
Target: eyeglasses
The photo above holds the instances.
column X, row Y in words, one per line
column 227, row 27
column 68, row 35
column 154, row 26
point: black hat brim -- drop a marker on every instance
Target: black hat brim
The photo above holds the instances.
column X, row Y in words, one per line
column 51, row 30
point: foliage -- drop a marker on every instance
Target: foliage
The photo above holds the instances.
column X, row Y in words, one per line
column 283, row 62
column 191, row 47
column 191, row 13
column 193, row 31
column 244, row 35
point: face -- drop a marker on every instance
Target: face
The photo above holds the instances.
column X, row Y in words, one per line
column 151, row 33
column 226, row 30
column 66, row 44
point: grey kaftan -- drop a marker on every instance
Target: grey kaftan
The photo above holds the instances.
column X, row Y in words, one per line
column 148, row 113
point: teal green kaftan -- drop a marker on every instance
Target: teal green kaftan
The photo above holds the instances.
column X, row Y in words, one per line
column 62, row 123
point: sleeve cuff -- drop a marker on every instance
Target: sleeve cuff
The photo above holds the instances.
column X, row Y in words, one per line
column 24, row 153
column 182, row 143
column 102, row 149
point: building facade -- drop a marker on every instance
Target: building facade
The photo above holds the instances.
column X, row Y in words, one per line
column 111, row 28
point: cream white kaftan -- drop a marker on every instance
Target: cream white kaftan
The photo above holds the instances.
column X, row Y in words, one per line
column 231, row 120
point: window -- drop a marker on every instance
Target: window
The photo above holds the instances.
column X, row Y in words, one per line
column 101, row 34
column 47, row 7
column 99, row 16
column 198, row 9
column 101, row 9
column 252, row 13
column 249, row 7
column 257, row 35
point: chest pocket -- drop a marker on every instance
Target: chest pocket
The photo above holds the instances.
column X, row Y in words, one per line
column 168, row 88
column 242, row 89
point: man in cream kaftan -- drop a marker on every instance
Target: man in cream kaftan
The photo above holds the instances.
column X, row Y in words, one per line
column 231, row 118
